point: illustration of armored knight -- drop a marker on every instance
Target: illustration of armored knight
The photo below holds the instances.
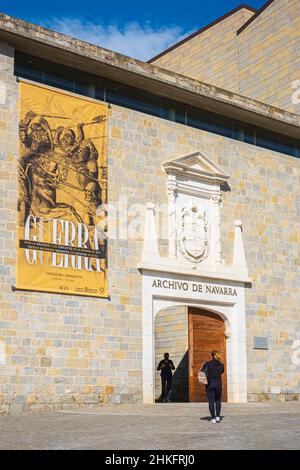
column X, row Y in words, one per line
column 39, row 172
column 82, row 154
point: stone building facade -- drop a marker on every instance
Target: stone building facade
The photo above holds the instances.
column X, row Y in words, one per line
column 65, row 351
column 210, row 55
column 253, row 53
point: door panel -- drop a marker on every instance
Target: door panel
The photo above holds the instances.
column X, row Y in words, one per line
column 206, row 334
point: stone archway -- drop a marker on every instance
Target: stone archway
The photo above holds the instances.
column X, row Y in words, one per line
column 188, row 334
column 233, row 314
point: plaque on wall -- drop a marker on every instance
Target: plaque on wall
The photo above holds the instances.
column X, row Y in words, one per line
column 260, row 342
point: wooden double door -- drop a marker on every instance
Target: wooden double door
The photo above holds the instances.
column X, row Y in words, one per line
column 206, row 334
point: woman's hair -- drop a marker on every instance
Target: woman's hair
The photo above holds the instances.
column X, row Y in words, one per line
column 216, row 355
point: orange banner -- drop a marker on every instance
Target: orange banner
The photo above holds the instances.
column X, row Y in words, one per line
column 62, row 226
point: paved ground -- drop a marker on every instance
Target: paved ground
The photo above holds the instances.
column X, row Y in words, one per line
column 157, row 427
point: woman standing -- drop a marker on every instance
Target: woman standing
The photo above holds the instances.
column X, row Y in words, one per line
column 213, row 371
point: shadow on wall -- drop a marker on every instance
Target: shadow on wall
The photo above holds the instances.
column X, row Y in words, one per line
column 180, row 385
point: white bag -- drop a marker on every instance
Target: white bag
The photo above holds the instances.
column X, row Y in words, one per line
column 202, row 377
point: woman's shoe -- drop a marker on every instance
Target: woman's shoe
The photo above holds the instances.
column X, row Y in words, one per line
column 213, row 421
column 218, row 419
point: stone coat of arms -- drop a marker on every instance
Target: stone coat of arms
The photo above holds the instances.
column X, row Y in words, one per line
column 194, row 234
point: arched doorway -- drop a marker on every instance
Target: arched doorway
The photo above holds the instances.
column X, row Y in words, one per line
column 206, row 334
column 171, row 335
column 189, row 335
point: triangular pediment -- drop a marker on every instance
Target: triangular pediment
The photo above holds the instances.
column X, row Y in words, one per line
column 196, row 165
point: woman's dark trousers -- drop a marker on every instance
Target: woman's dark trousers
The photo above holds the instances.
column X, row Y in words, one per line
column 214, row 396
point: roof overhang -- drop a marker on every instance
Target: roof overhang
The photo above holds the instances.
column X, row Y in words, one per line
column 62, row 49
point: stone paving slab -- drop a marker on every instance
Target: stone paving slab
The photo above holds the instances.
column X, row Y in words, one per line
column 157, row 427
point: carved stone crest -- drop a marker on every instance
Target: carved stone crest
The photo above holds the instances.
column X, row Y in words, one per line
column 194, row 234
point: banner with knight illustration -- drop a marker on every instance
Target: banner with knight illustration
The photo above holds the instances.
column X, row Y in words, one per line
column 62, row 219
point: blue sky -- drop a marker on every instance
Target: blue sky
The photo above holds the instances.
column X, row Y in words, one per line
column 137, row 28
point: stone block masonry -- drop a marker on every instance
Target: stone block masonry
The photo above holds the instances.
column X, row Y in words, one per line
column 58, row 351
column 211, row 56
column 260, row 62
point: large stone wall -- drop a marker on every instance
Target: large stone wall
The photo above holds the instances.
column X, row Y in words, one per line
column 262, row 62
column 211, row 56
column 62, row 351
column 268, row 55
column 265, row 195
column 59, row 350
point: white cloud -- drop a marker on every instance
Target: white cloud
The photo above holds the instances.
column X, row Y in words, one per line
column 141, row 42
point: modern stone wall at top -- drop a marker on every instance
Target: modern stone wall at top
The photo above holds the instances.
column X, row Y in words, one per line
column 59, row 351
column 262, row 62
column 211, row 56
column 268, row 55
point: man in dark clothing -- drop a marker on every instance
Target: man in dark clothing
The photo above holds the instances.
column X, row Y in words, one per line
column 166, row 367
column 213, row 371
